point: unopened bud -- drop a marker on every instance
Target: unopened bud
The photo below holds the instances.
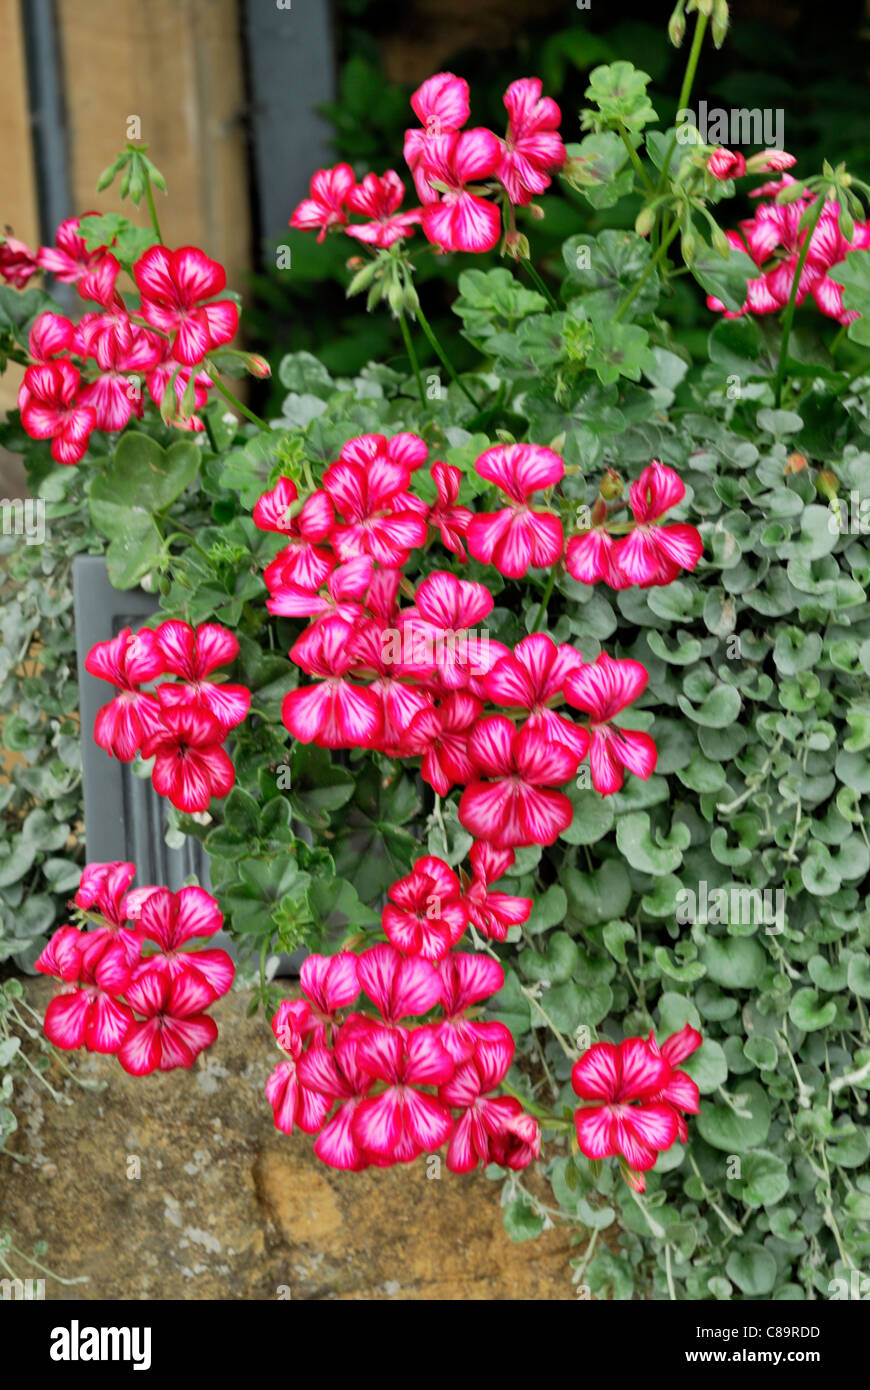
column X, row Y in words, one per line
column 677, row 26
column 720, row 243
column 790, row 193
column 795, row 463
column 599, row 511
column 847, row 223
column 411, row 301
column 721, row 20
column 362, row 279
column 645, row 221
column 611, row 485
column 396, row 298
column 257, row 365
column 827, row 484
column 516, row 245
column 687, row 246
column 537, row 212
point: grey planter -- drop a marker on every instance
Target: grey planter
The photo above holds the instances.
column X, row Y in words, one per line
column 125, row 819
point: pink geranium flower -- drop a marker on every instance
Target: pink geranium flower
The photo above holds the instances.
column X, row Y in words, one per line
column 461, row 220
column 50, row 335
column 726, row 164
column 603, row 689
column 122, row 726
column 531, row 677
column 86, row 1013
column 402, row 1121
column 190, row 766
column 517, row 806
column 439, row 736
column 398, row 986
column 327, row 206
column 517, row 537
column 426, row 915
column 172, row 921
column 446, row 516
column 624, row 1118
column 466, row 980
column 303, row 562
column 440, row 632
column 335, row 713
column 194, row 655
column 178, row 291
column 50, row 409
column 293, row 1102
column 174, row 1028
column 533, row 149
column 115, row 396
column 489, row 1129
column 330, row 982
column 17, row 262
column 651, row 553
column 493, row 913
column 679, row 1091
column 69, row 259
column 589, row 558
column 375, row 518
column 379, row 199
column 442, row 106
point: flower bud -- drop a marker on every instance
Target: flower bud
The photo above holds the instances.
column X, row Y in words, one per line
column 790, row 193
column 847, row 223
column 645, row 221
column 516, row 245
column 411, row 300
column 721, row 20
column 726, row 164
column 720, row 243
column 396, row 298
column 611, row 485
column 688, row 243
column 677, row 26
column 362, row 279
column 827, row 484
column 537, row 212
column 795, row 463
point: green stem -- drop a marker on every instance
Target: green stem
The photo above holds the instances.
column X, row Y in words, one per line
column 151, row 208
column 236, row 403
column 542, row 611
column 442, row 356
column 650, row 267
column 541, row 286
column 412, row 356
column 685, row 90
column 792, row 300
column 635, row 159
column 545, row 1115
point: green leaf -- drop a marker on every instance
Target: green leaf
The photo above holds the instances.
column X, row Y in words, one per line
column 520, row 1220
column 735, row 962
column 763, row 1182
column 659, row 855
column 724, row 279
column 806, row 1013
column 737, row 1132
column 619, row 92
column 752, row 1269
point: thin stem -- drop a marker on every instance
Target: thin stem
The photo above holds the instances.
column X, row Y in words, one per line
column 685, row 90
column 442, row 356
column 792, row 300
column 635, row 159
column 412, row 356
column 541, row 286
column 650, row 267
column 542, row 611
column 151, row 208
column 587, row 1258
column 236, row 403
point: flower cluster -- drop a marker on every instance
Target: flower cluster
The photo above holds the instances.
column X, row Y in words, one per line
column 461, row 176
column 414, row 680
column 636, row 1100
column 774, row 239
column 181, row 724
column 650, row 554
column 379, row 1088
column 89, row 375
column 130, row 984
